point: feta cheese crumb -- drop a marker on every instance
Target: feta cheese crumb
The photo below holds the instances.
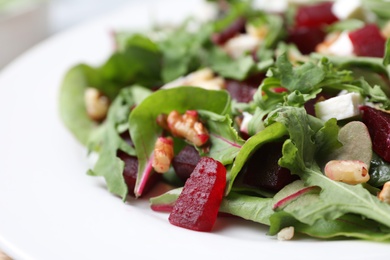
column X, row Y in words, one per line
column 347, row 9
column 286, row 233
column 339, row 107
column 245, row 122
column 342, row 46
column 241, row 44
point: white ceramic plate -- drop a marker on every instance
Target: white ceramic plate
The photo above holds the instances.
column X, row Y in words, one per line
column 49, row 207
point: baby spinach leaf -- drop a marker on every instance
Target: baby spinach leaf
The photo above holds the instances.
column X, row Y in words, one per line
column 379, row 171
column 71, row 103
column 143, row 126
column 139, row 63
column 225, row 141
column 271, row 133
column 247, row 207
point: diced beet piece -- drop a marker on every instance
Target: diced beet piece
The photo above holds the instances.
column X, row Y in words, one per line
column 240, row 91
column 198, row 204
column 378, row 124
column 263, row 170
column 243, row 91
column 306, row 38
column 185, row 162
column 130, row 173
column 368, row 41
column 315, row 15
column 229, row 32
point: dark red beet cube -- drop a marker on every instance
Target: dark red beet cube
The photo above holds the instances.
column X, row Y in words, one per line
column 378, row 124
column 185, row 162
column 306, row 38
column 263, row 170
column 315, row 15
column 198, row 204
column 368, row 41
column 130, row 172
column 229, row 32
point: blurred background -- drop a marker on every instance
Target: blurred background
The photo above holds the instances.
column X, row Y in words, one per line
column 24, row 23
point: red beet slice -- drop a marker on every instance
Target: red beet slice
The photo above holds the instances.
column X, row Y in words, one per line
column 263, row 170
column 198, row 204
column 378, row 124
column 368, row 41
column 315, row 15
column 185, row 162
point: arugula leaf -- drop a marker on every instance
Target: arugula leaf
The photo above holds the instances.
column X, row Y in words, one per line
column 228, row 67
column 298, row 156
column 143, row 126
column 302, row 78
column 349, row 225
column 225, row 141
column 347, row 62
column 183, row 51
column 108, row 164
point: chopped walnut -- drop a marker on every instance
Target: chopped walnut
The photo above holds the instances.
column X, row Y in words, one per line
column 384, row 195
column 96, row 104
column 204, row 78
column 163, row 154
column 188, row 126
column 347, row 171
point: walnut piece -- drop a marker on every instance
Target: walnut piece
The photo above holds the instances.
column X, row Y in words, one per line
column 96, row 104
column 163, row 154
column 384, row 195
column 347, row 171
column 188, row 126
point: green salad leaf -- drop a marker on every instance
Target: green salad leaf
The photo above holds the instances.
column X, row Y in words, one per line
column 109, row 141
column 225, row 140
column 298, row 156
column 72, row 105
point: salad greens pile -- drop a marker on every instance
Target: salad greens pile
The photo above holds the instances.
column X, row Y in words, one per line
column 132, row 80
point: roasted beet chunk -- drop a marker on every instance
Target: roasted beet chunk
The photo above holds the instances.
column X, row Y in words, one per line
column 229, row 32
column 198, row 204
column 306, row 38
column 308, row 30
column 378, row 124
column 263, row 171
column 185, row 162
column 315, row 15
column 130, row 173
column 368, row 41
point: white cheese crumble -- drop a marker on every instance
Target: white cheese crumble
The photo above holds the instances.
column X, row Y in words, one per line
column 339, row 107
column 347, row 9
